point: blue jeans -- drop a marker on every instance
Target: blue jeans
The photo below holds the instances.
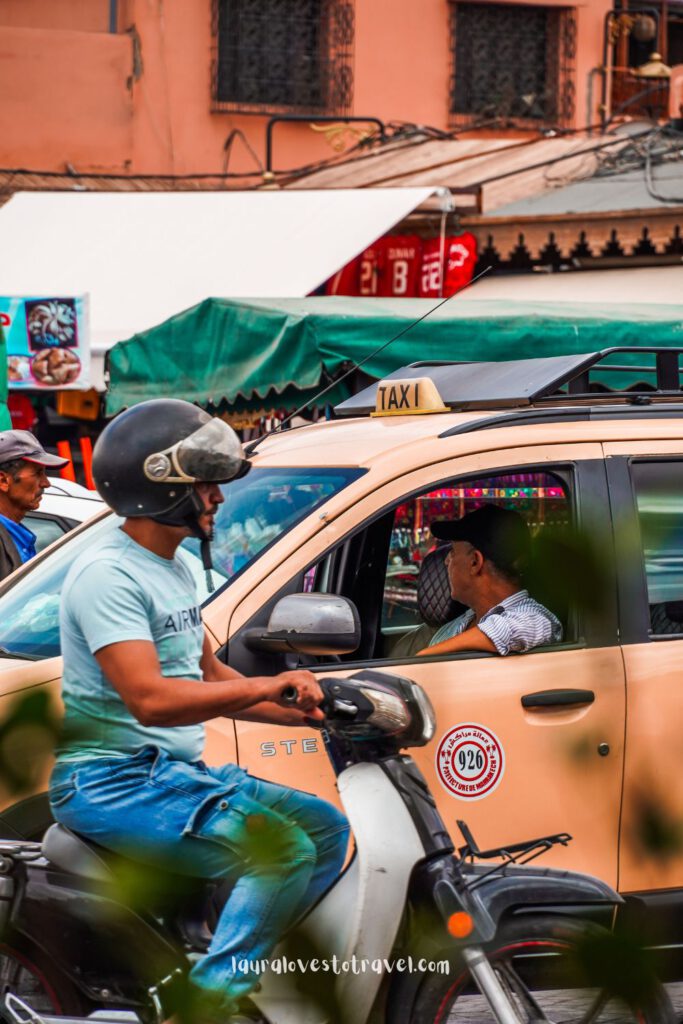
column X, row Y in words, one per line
column 283, row 848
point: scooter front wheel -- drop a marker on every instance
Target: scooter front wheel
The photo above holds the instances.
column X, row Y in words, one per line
column 552, row 969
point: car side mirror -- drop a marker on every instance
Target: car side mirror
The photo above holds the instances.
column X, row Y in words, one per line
column 309, row 624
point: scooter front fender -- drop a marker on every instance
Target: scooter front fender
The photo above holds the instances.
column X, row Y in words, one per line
column 436, row 892
column 521, row 890
column 437, row 885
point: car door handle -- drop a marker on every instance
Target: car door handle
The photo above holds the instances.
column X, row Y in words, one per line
column 557, row 698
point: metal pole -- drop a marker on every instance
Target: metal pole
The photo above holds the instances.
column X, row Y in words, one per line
column 113, row 16
column 442, row 250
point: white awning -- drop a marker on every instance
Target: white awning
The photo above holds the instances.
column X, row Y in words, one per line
column 145, row 256
column 644, row 284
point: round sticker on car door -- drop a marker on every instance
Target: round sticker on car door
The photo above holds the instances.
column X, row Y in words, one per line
column 470, row 761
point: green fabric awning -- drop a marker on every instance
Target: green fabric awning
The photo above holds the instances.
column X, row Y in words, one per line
column 278, row 353
column 5, row 421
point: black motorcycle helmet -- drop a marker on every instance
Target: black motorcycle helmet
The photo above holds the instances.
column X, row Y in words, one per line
column 147, row 461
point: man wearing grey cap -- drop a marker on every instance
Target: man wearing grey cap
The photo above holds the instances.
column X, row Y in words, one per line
column 23, row 478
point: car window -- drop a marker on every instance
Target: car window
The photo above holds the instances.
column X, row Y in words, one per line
column 261, row 507
column 46, row 529
column 402, row 601
column 29, row 611
column 542, row 498
column 659, row 496
column 257, row 511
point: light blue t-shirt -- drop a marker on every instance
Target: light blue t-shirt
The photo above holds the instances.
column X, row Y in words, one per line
column 120, row 591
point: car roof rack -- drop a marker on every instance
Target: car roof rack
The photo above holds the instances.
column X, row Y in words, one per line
column 641, row 409
column 465, row 386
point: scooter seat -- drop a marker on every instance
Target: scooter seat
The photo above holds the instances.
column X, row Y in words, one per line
column 184, row 903
column 70, row 852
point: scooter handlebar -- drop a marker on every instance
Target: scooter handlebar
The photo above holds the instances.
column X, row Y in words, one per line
column 328, row 705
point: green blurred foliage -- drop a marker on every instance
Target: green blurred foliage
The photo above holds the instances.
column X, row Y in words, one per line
column 617, row 963
column 652, row 829
column 568, row 572
column 28, row 734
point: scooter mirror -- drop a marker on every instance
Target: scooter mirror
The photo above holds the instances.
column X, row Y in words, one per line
column 323, row 624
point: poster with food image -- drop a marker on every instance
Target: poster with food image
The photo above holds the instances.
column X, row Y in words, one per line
column 51, row 323
column 47, row 341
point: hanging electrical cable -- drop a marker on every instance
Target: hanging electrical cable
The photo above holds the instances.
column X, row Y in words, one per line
column 677, row 154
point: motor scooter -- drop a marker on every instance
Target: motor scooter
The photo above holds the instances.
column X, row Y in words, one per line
column 411, row 932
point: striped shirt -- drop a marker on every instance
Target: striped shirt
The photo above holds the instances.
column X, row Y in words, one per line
column 515, row 625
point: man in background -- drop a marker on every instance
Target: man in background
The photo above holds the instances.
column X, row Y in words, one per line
column 23, row 478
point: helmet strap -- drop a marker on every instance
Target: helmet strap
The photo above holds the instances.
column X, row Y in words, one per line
column 205, row 551
column 187, row 514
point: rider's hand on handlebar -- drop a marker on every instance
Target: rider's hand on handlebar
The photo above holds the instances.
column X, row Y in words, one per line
column 309, row 694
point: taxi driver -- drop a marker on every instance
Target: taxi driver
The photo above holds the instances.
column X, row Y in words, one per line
column 489, row 551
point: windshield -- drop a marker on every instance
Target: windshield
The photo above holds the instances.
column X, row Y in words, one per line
column 258, row 509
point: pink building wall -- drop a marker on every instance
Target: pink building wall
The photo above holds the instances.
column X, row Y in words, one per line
column 139, row 101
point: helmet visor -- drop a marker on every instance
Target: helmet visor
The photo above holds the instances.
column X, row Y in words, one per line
column 212, row 454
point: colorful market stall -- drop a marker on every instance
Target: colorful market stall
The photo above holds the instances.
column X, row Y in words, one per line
column 140, row 257
column 143, row 256
column 277, row 354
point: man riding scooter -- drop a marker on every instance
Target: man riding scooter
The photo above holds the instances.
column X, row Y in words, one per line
column 139, row 679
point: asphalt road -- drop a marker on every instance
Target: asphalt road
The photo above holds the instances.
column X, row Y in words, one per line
column 561, row 1008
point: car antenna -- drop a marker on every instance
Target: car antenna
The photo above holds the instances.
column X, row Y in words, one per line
column 252, row 446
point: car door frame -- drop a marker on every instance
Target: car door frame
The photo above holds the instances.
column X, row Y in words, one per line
column 589, row 481
column 587, row 477
column 631, row 582
column 663, row 907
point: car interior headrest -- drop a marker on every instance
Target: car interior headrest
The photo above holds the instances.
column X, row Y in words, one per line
column 674, row 610
column 435, row 604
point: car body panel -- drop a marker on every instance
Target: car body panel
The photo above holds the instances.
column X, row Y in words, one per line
column 70, row 500
column 18, row 674
column 652, row 827
column 554, row 779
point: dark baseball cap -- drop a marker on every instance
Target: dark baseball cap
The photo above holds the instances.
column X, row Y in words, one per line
column 499, row 533
column 22, row 444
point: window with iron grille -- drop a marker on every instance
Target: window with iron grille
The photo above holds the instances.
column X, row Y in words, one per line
column 512, row 61
column 291, row 55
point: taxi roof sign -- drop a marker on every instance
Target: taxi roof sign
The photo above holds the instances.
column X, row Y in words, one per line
column 408, row 398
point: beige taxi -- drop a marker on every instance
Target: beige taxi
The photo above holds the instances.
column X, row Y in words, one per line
column 584, row 736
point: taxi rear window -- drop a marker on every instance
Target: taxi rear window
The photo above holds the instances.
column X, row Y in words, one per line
column 659, row 497
column 257, row 511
